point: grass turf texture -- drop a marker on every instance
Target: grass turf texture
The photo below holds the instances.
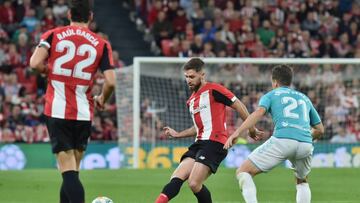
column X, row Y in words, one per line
column 143, row 186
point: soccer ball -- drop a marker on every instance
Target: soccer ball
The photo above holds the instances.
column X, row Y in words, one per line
column 102, row 200
column 12, row 158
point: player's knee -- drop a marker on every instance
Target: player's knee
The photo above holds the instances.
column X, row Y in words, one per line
column 301, row 180
column 194, row 185
column 240, row 170
column 242, row 176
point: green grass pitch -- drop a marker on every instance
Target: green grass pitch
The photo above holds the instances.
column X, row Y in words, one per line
column 143, row 186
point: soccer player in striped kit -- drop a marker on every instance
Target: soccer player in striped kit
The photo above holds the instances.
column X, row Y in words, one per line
column 73, row 54
column 207, row 108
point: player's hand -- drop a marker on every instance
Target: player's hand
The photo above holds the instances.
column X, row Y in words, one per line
column 170, row 132
column 99, row 102
column 256, row 134
column 230, row 141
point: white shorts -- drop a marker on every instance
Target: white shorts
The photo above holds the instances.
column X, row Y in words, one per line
column 276, row 150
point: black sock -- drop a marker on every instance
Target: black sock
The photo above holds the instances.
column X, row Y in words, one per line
column 63, row 196
column 172, row 188
column 73, row 187
column 203, row 195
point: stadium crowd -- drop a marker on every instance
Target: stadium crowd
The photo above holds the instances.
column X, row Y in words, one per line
column 266, row 28
column 21, row 91
column 251, row 28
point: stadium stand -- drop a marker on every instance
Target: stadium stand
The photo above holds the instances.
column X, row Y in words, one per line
column 245, row 28
column 264, row 28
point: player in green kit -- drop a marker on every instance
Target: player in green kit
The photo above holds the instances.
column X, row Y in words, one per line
column 297, row 124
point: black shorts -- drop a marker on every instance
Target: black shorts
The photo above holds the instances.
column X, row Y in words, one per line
column 68, row 134
column 207, row 152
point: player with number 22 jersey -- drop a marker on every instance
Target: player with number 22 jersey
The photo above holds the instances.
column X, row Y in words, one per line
column 69, row 89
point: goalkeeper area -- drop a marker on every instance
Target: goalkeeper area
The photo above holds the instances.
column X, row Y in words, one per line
column 139, row 186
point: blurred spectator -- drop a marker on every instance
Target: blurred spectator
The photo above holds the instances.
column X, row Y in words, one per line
column 7, row 13
column 40, row 9
column 342, row 136
column 343, row 49
column 179, row 21
column 154, row 12
column 208, row 32
column 60, row 9
column 266, row 33
column 22, row 9
column 30, row 20
column 162, row 28
column 326, row 48
column 218, row 44
column 118, row 63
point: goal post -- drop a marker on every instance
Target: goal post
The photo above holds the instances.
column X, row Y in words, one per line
column 156, row 93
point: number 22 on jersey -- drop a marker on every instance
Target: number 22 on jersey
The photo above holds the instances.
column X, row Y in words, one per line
column 79, row 67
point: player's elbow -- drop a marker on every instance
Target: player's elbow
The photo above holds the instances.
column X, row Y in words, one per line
column 111, row 83
column 35, row 63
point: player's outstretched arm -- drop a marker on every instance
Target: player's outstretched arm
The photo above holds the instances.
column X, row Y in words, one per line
column 37, row 60
column 241, row 109
column 248, row 123
column 317, row 131
column 244, row 113
column 107, row 89
column 190, row 132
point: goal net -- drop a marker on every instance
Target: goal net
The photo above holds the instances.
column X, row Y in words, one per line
column 153, row 93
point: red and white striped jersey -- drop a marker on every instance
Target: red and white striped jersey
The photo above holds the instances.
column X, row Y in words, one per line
column 75, row 55
column 207, row 109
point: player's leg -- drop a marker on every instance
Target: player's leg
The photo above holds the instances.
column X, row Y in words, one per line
column 71, row 184
column 80, row 136
column 207, row 161
column 262, row 159
column 244, row 175
column 198, row 175
column 182, row 172
column 171, row 189
column 66, row 162
column 78, row 156
column 302, row 167
column 60, row 146
column 63, row 137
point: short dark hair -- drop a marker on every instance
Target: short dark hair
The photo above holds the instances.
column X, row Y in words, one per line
column 194, row 64
column 282, row 74
column 80, row 10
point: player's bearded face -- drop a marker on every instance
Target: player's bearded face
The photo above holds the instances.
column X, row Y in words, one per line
column 193, row 79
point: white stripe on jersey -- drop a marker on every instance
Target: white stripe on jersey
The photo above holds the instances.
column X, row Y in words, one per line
column 82, row 103
column 205, row 114
column 59, row 101
column 191, row 109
